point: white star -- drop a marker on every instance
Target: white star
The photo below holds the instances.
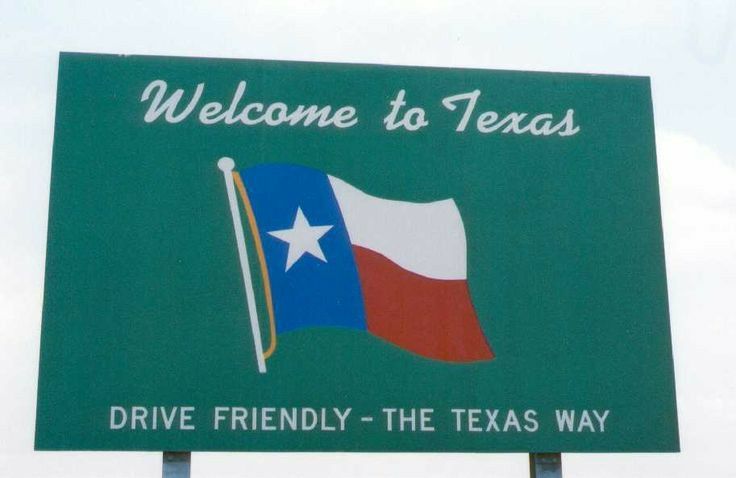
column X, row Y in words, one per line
column 302, row 238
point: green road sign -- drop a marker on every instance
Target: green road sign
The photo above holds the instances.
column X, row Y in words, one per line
column 262, row 255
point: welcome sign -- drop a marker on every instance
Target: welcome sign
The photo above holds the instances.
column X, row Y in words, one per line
column 283, row 256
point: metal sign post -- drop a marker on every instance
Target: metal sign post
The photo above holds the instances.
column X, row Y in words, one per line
column 176, row 464
column 545, row 465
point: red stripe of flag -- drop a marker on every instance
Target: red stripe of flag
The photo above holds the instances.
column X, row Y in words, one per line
column 430, row 317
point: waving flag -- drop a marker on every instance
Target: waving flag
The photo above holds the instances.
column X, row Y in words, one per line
column 334, row 256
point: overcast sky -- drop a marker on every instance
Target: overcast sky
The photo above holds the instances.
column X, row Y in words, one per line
column 687, row 47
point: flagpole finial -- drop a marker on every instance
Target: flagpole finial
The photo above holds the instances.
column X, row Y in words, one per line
column 226, row 164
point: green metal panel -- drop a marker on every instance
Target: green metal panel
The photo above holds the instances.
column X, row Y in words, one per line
column 144, row 303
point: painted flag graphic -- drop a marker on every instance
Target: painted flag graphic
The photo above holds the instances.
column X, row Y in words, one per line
column 333, row 256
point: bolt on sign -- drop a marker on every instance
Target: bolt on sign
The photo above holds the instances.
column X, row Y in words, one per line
column 286, row 256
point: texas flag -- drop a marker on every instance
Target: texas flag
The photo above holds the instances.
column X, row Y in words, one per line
column 334, row 256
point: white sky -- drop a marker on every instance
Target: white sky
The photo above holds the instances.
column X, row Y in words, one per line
column 687, row 47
